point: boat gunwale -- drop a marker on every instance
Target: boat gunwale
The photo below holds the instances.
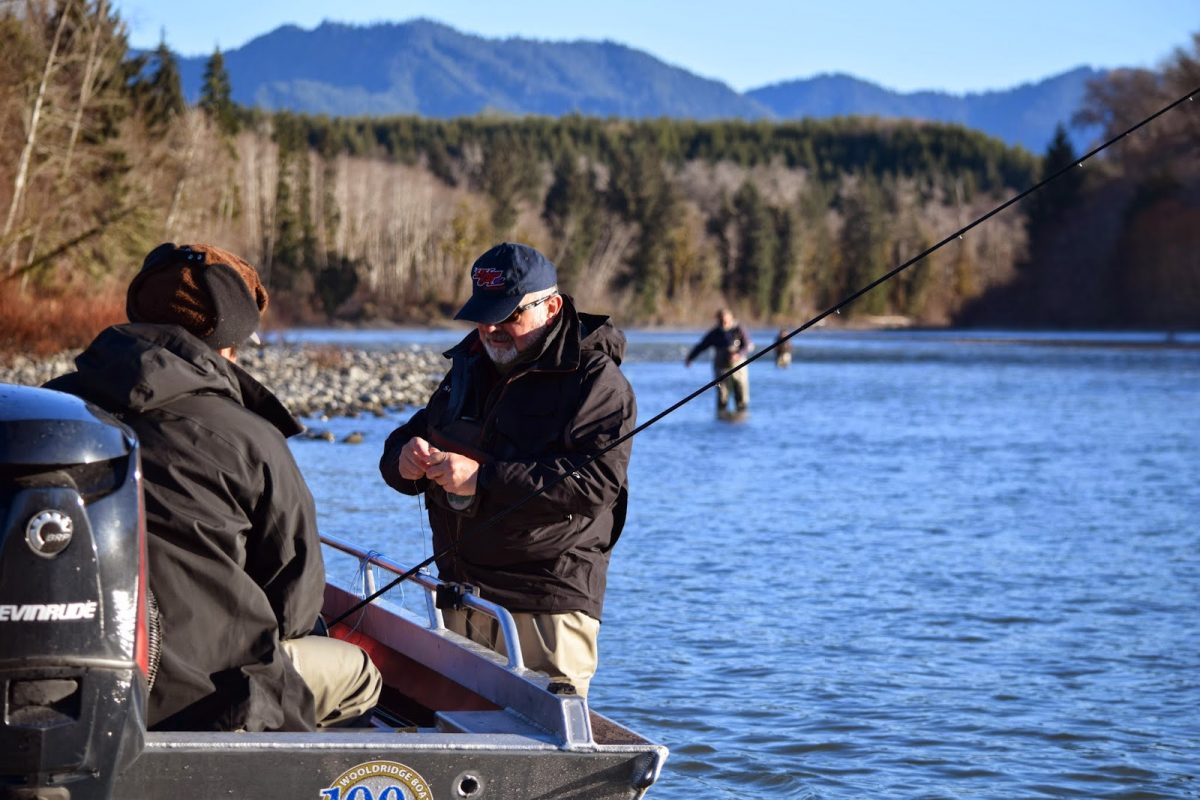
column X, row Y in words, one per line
column 512, row 688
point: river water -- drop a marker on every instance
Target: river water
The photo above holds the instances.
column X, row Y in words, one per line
column 927, row 566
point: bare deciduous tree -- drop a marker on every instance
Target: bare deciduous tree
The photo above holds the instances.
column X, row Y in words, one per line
column 20, row 180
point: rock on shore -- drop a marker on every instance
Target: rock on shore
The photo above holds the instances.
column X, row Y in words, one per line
column 310, row 380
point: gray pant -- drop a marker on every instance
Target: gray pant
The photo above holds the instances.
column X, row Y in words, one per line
column 344, row 683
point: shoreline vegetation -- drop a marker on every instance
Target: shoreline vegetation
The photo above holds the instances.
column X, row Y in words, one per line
column 359, row 220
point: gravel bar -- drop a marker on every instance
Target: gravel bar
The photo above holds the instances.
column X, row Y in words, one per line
column 321, row 381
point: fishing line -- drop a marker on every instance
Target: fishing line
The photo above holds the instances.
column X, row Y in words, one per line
column 421, row 514
column 360, row 578
column 836, row 308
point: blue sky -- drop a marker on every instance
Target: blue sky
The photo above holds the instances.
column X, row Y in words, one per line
column 957, row 46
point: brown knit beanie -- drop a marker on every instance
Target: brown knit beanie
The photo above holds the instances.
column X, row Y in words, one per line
column 213, row 294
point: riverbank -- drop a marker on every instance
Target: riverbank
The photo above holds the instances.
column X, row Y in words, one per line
column 312, row 381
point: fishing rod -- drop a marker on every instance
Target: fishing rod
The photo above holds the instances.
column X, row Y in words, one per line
column 834, row 309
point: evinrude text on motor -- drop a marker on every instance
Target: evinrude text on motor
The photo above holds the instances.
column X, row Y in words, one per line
column 74, row 639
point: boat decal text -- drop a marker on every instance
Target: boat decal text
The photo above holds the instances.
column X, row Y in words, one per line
column 378, row 780
column 48, row 612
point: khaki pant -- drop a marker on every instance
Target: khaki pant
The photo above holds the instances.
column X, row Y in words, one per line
column 737, row 384
column 563, row 646
column 344, row 683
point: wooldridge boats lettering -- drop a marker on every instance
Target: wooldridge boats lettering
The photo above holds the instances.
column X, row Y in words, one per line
column 48, row 612
column 378, row 780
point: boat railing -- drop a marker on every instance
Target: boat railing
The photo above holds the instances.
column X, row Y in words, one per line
column 368, row 559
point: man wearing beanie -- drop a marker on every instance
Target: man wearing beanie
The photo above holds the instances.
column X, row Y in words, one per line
column 234, row 557
column 533, row 392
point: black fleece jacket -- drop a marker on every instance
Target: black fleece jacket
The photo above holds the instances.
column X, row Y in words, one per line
column 544, row 420
column 234, row 556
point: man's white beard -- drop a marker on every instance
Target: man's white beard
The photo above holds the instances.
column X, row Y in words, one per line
column 507, row 354
column 501, row 355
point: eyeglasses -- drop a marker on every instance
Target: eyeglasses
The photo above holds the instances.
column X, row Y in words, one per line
column 515, row 316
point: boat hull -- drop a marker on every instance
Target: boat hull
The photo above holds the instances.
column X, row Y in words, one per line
column 456, row 721
column 289, row 766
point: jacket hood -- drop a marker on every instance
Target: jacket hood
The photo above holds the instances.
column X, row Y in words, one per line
column 598, row 333
column 574, row 333
column 141, row 367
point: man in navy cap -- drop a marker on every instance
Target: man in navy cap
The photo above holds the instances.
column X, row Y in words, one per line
column 532, row 393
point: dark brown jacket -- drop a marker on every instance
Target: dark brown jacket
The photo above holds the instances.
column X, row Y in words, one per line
column 235, row 560
column 549, row 555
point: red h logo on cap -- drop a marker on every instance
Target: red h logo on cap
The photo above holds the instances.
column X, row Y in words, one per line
column 488, row 278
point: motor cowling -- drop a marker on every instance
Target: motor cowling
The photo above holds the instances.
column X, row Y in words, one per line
column 74, row 639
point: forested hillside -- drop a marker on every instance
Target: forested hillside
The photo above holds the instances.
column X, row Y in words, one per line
column 652, row 217
column 369, row 220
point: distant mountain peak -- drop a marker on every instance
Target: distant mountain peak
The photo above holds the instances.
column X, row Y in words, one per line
column 423, row 66
column 1025, row 114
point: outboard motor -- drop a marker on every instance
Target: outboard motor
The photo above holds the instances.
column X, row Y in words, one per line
column 74, row 640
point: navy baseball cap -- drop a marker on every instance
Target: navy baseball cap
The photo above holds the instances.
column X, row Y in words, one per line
column 501, row 277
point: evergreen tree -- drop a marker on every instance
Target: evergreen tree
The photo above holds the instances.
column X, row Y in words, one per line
column 293, row 239
column 864, row 245
column 787, row 261
column 909, row 291
column 216, row 95
column 567, row 192
column 572, row 213
column 304, row 204
column 721, row 227
column 817, row 268
column 335, row 284
column 755, row 266
column 640, row 191
column 1052, row 201
column 160, row 96
column 659, row 216
column 509, row 173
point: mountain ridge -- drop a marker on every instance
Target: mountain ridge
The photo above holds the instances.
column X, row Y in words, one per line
column 427, row 68
column 1023, row 114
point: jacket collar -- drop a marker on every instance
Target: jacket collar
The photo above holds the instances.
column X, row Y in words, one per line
column 139, row 367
